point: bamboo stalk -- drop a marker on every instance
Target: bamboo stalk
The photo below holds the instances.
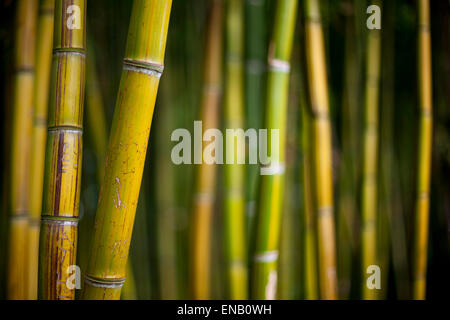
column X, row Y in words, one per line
column 206, row 174
column 255, row 69
column 19, row 208
column 424, row 153
column 267, row 229
column 235, row 240
column 143, row 65
column 370, row 157
column 39, row 136
column 310, row 236
column 322, row 154
column 62, row 175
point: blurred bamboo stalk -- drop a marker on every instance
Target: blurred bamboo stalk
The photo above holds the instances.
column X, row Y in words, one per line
column 268, row 220
column 424, row 152
column 63, row 161
column 19, row 201
column 143, row 66
column 255, row 69
column 369, row 205
column 206, row 173
column 322, row 154
column 235, row 239
column 39, row 136
column 310, row 246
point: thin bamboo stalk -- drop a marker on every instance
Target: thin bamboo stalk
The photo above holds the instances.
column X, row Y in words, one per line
column 267, row 229
column 143, row 65
column 322, row 154
column 39, row 136
column 310, row 236
column 206, row 174
column 62, row 175
column 255, row 69
column 424, row 152
column 235, row 239
column 19, row 208
column 369, row 205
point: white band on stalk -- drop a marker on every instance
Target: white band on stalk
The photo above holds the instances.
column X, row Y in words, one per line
column 272, row 169
column 278, row 65
column 143, row 70
column 268, row 256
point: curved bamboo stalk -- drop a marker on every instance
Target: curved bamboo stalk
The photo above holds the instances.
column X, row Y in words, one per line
column 424, row 153
column 370, row 157
column 39, row 136
column 322, row 154
column 62, row 175
column 206, row 173
column 24, row 55
column 268, row 220
column 143, row 65
column 235, row 242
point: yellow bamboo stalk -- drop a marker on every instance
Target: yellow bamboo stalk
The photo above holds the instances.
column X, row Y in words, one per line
column 424, row 153
column 62, row 175
column 25, row 26
column 322, row 154
column 39, row 136
column 143, row 65
column 235, row 240
column 206, row 173
column 370, row 158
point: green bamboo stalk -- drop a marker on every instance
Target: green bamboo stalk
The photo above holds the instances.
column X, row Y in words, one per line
column 424, row 152
column 369, row 205
column 204, row 197
column 255, row 65
column 235, row 242
column 39, row 136
column 19, row 200
column 322, row 154
column 62, row 175
column 143, row 65
column 267, row 229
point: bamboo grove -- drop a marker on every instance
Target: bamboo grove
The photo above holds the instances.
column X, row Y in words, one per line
column 224, row 149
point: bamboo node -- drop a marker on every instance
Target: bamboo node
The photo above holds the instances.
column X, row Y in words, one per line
column 104, row 283
column 59, row 221
column 66, row 52
column 278, row 65
column 267, row 256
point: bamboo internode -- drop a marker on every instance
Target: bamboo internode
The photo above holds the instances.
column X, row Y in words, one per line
column 424, row 153
column 19, row 205
column 268, row 220
column 143, row 65
column 322, row 154
column 62, row 177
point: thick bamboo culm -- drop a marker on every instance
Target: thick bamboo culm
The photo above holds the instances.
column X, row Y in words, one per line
column 235, row 239
column 18, row 208
column 322, row 150
column 268, row 220
column 206, row 173
column 424, row 153
column 44, row 44
column 62, row 175
column 370, row 160
column 142, row 69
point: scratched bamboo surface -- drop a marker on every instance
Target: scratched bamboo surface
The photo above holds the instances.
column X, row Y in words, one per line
column 206, row 175
column 62, row 177
column 143, row 65
column 424, row 152
column 19, row 206
column 268, row 220
column 322, row 149
column 44, row 44
column 234, row 215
